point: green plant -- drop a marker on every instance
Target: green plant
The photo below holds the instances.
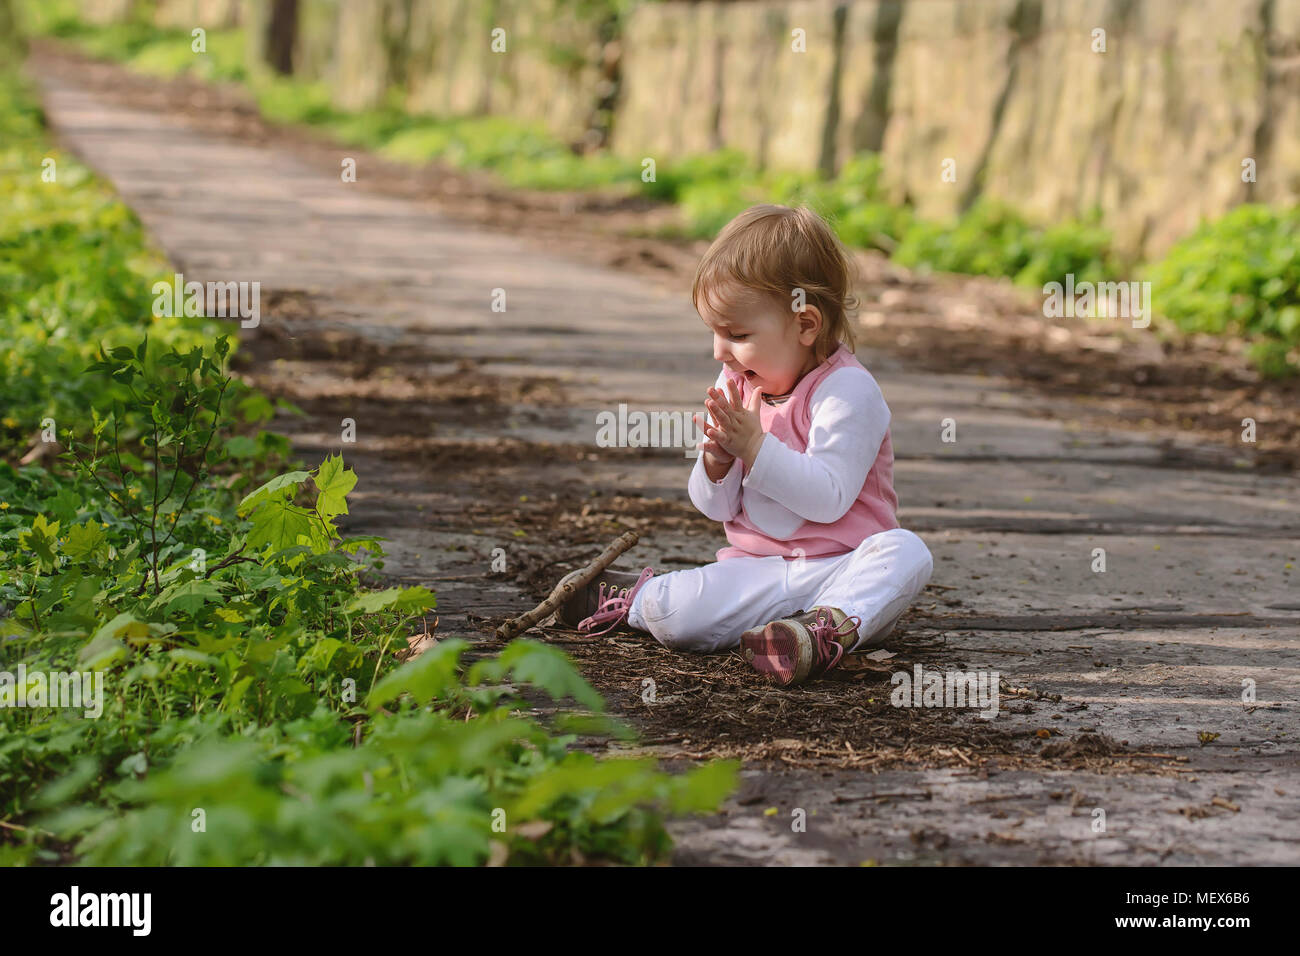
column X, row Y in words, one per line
column 75, row 270
column 183, row 396
column 247, row 670
column 701, row 171
column 1239, row 275
column 992, row 239
column 255, row 688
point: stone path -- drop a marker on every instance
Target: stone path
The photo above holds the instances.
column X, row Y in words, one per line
column 1202, row 559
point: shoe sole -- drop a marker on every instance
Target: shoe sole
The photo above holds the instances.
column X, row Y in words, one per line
column 782, row 650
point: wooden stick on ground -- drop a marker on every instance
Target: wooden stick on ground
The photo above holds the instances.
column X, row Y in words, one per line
column 518, row 625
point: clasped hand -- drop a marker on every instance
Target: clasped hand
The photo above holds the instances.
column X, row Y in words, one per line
column 738, row 433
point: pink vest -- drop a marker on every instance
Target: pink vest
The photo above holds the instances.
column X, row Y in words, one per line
column 873, row 511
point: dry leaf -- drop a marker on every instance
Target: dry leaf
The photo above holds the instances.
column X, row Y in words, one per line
column 534, row 829
column 417, row 644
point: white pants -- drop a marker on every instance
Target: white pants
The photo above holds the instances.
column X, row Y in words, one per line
column 708, row 608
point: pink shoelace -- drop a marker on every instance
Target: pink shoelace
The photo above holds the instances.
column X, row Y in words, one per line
column 824, row 629
column 613, row 606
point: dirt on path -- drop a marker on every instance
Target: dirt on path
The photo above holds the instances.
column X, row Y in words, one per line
column 1122, row 733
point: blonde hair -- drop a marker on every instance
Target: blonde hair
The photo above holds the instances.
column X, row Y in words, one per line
column 775, row 250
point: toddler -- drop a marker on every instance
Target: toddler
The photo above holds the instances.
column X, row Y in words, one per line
column 797, row 464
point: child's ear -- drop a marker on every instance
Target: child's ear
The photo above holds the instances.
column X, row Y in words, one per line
column 810, row 324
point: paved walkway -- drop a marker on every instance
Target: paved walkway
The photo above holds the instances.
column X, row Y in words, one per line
column 1202, row 560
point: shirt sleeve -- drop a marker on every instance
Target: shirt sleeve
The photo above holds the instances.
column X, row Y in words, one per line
column 849, row 423
column 718, row 500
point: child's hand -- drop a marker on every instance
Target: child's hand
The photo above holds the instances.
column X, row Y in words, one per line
column 738, row 431
column 713, row 452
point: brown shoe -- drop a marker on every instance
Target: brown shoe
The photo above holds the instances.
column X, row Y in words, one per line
column 606, row 598
column 803, row 647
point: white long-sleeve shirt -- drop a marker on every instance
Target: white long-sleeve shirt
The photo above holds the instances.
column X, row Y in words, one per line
column 787, row 487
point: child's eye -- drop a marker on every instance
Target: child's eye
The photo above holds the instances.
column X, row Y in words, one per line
column 740, row 337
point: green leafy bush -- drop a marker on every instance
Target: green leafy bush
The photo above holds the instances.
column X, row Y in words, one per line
column 1239, row 275
column 992, row 239
column 250, row 676
column 75, row 272
column 288, row 101
column 425, row 786
column 249, row 673
column 854, row 202
column 703, row 170
column 709, row 205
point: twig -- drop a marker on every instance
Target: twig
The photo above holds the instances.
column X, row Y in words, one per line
column 14, row 826
column 112, row 497
column 36, row 618
column 153, row 518
column 176, row 471
column 904, row 794
column 999, row 797
column 203, row 457
column 1148, row 754
column 232, row 559
column 518, row 625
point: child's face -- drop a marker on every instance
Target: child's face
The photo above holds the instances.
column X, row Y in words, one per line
column 762, row 339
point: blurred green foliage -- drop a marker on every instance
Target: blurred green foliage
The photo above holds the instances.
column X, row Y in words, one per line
column 75, row 271
column 993, row 239
column 1239, row 275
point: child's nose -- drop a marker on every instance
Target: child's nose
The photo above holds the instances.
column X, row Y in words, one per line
column 720, row 351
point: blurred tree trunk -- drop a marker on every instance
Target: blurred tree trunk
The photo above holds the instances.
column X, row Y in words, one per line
column 281, row 32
